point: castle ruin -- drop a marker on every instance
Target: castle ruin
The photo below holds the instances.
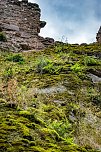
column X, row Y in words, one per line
column 98, row 36
column 20, row 22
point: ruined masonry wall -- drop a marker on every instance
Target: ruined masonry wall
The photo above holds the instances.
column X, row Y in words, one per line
column 20, row 21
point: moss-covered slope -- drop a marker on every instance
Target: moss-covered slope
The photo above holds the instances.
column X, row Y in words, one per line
column 50, row 101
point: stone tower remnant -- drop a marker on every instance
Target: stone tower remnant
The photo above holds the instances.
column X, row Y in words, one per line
column 98, row 36
column 20, row 22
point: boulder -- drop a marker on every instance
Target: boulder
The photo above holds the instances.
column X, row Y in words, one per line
column 50, row 40
column 42, row 24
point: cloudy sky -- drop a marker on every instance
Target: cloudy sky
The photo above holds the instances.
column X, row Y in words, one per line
column 74, row 20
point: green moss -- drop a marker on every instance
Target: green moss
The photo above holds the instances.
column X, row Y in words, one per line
column 51, row 121
column 77, row 68
column 37, row 149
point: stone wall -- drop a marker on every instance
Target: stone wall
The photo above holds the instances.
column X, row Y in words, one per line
column 98, row 37
column 20, row 22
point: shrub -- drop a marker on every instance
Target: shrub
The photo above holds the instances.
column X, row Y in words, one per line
column 3, row 37
column 45, row 65
column 16, row 58
column 62, row 128
column 41, row 63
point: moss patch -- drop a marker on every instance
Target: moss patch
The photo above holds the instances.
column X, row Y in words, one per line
column 48, row 103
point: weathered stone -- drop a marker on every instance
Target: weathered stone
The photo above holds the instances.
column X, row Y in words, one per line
column 83, row 44
column 17, row 34
column 25, row 46
column 50, row 90
column 47, row 41
column 50, row 40
column 25, row 1
column 20, row 21
column 10, row 27
column 95, row 72
column 35, row 6
column 97, row 54
column 42, row 24
column 94, row 78
column 98, row 36
column 25, row 35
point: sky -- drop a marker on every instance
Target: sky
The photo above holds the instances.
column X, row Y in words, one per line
column 72, row 21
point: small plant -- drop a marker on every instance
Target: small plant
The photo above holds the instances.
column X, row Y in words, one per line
column 16, row 58
column 3, row 37
column 12, row 92
column 45, row 65
column 77, row 68
column 41, row 63
column 63, row 129
column 90, row 61
column 8, row 73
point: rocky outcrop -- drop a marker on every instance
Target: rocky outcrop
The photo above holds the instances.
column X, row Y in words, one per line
column 47, row 41
column 20, row 22
column 98, row 36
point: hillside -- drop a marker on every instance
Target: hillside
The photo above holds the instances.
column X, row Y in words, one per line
column 50, row 100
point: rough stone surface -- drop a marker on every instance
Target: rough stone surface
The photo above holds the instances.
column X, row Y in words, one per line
column 94, row 78
column 9, row 27
column 20, row 22
column 47, row 41
column 50, row 90
column 42, row 24
column 95, row 72
column 98, row 36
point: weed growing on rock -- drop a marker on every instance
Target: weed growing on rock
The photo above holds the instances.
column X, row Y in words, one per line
column 3, row 37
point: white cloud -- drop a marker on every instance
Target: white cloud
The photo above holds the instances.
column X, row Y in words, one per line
column 80, row 33
column 75, row 31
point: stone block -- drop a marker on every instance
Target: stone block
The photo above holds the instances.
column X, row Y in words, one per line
column 10, row 27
